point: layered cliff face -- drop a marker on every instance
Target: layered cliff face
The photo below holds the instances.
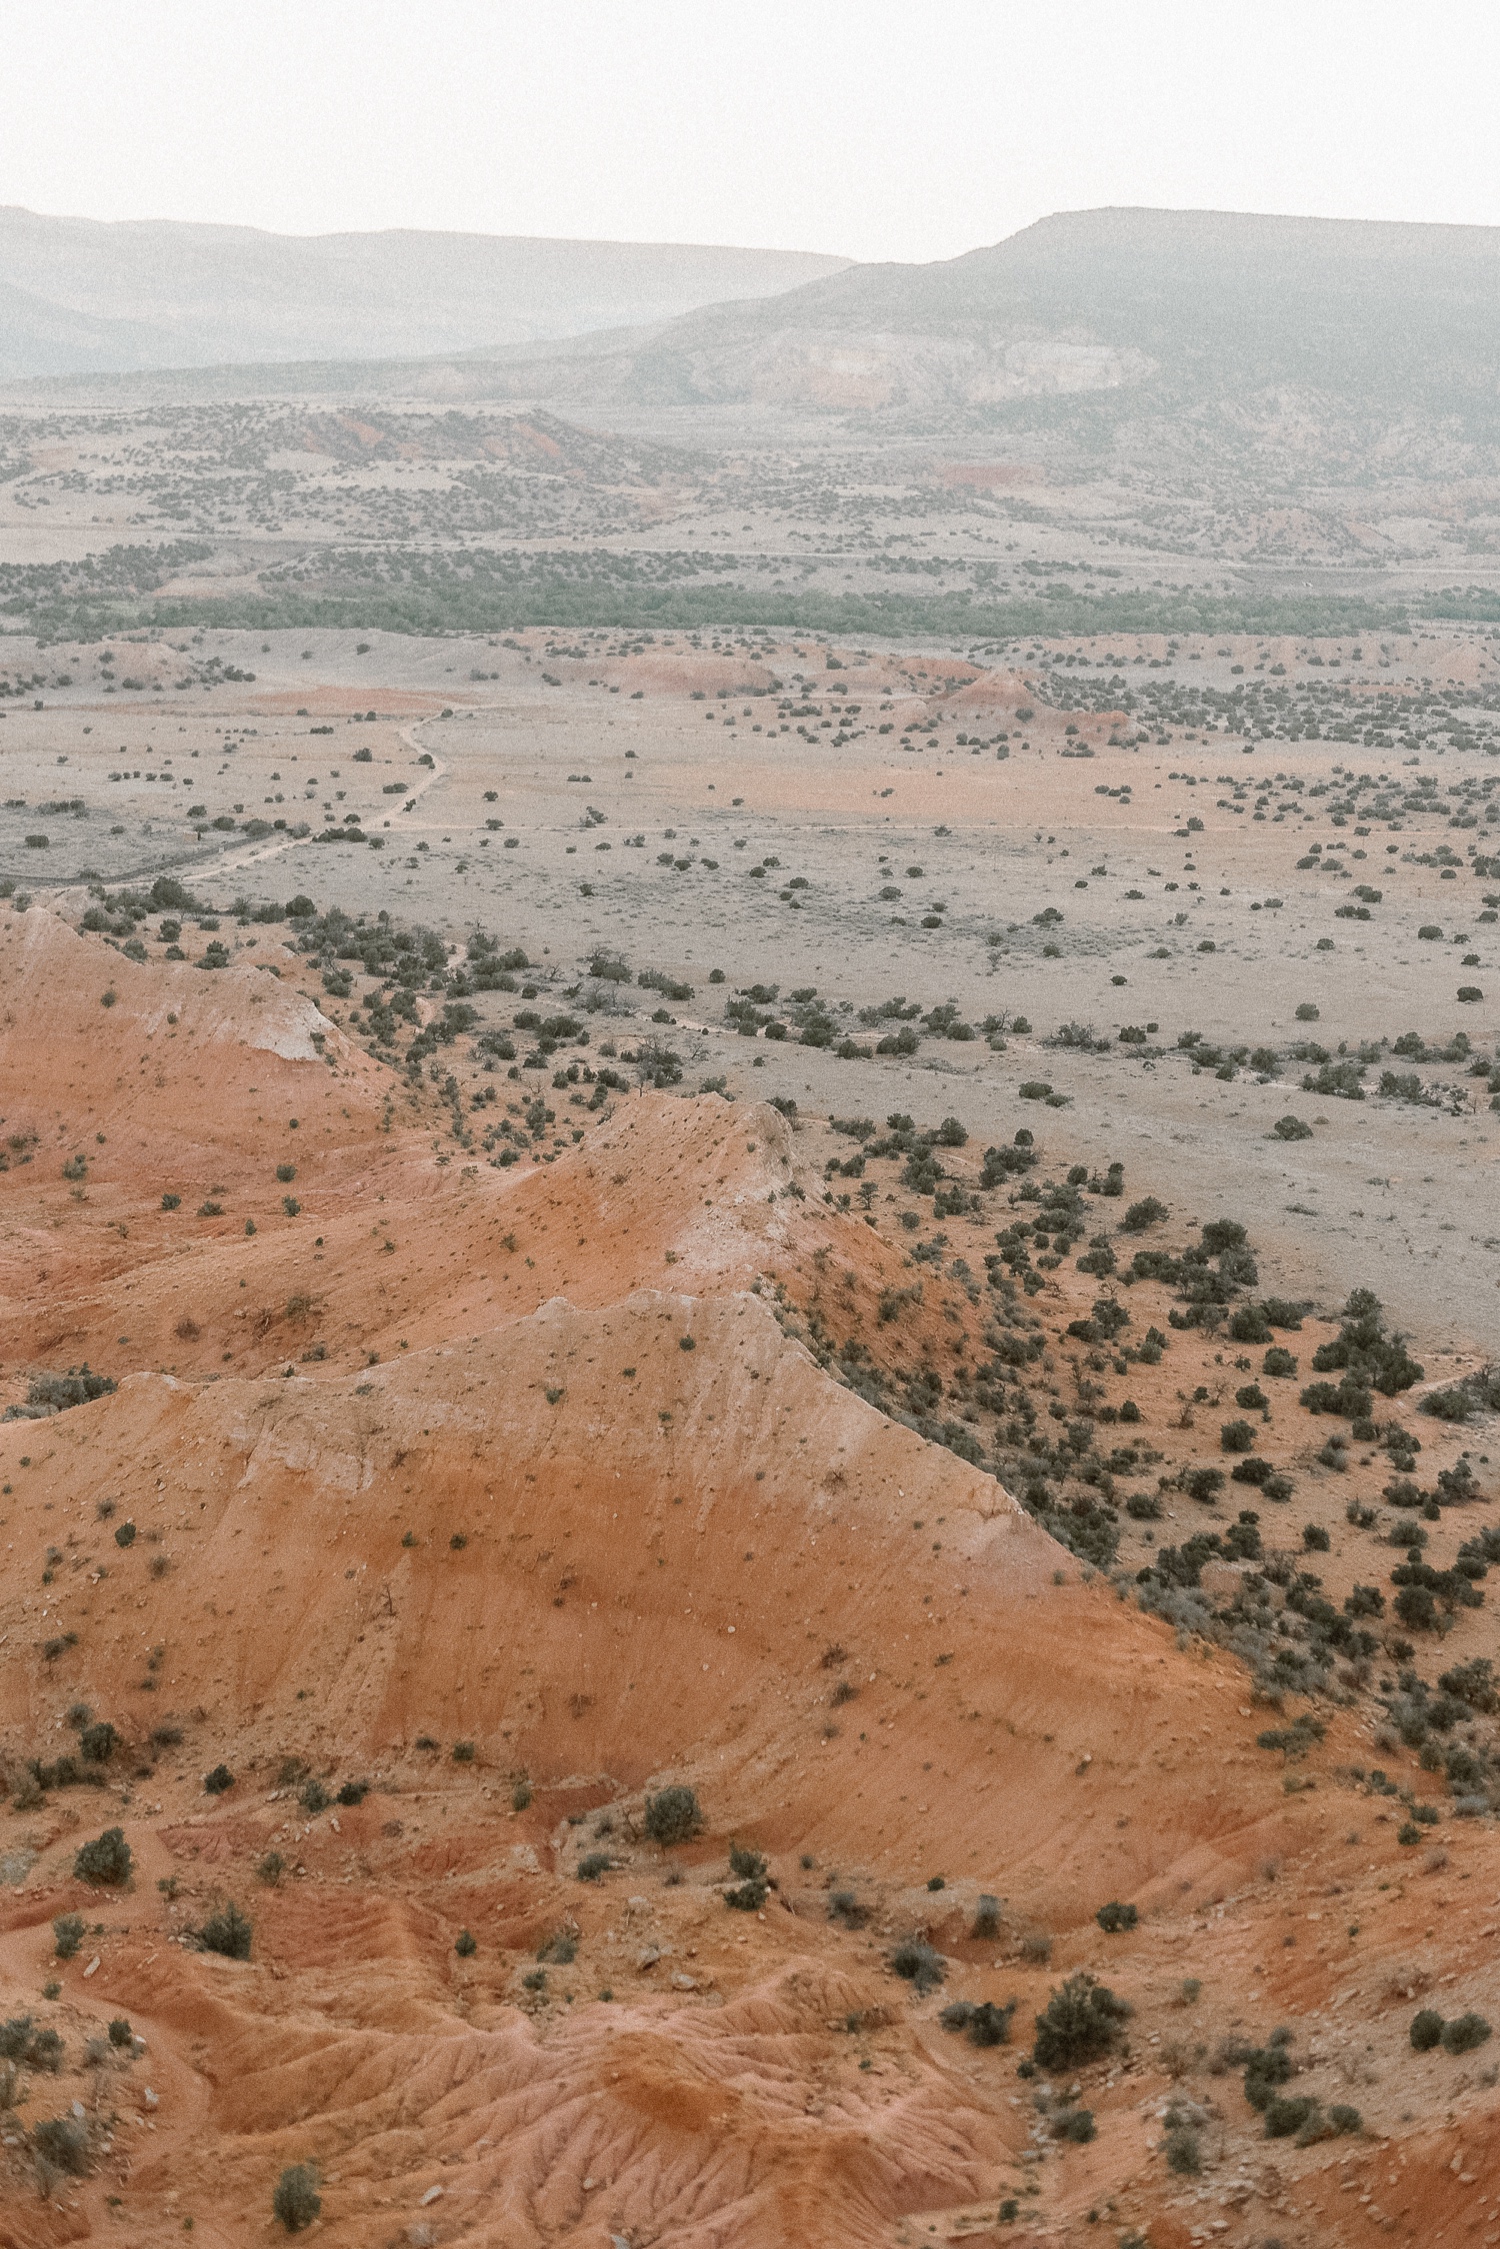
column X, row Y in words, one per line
column 434, row 1533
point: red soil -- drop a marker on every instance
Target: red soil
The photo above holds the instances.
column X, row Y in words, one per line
column 561, row 1489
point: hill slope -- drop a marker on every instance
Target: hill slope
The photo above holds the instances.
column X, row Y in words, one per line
column 1164, row 308
column 391, row 1650
column 83, row 296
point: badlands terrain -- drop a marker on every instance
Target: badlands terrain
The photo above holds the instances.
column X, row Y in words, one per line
column 782, row 1537
column 491, row 1343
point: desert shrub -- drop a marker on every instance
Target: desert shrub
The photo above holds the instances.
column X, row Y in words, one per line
column 1342, row 2118
column 314, row 1797
column 1473, row 1683
column 1075, row 2124
column 751, row 1893
column 672, row 1815
column 465, row 1945
column 1287, row 2113
column 1416, row 1609
column 227, row 1932
column 986, row 1923
column 919, row 1965
column 62, row 2142
column 67, row 1935
column 270, row 1869
column 1426, row 2031
column 1184, row 2151
column 1294, row 1740
column 1248, row 1324
column 216, row 1782
column 1115, row 1917
column 21, row 2041
column 845, row 1907
column 1236, row 1436
column 593, row 1864
column 120, row 2032
column 1147, row 1212
column 1267, row 2067
column 1080, row 2023
column 47, row 1394
column 97, row 1742
column 989, row 2025
column 296, row 2201
column 1462, row 2035
column 1278, row 1362
column 106, row 1861
column 1368, row 1357
column 353, row 1792
column 985, row 2024
column 520, row 1796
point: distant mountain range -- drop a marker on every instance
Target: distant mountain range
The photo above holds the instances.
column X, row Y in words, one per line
column 1169, row 308
column 1200, row 334
column 81, row 297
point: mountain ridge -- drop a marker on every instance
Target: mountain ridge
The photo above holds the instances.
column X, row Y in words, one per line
column 170, row 292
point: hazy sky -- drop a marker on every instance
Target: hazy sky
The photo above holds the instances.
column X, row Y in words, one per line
column 883, row 131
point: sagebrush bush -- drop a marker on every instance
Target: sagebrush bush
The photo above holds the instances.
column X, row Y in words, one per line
column 67, row 1934
column 21, row 2041
column 62, row 2142
column 673, row 1815
column 1080, row 2023
column 919, row 1964
column 751, row 1892
column 296, row 2201
column 106, row 1862
column 1465, row 2033
column 1287, row 2113
column 227, row 1932
column 1184, row 2152
column 1266, row 2067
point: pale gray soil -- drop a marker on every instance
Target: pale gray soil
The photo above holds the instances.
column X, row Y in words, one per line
column 1385, row 1194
